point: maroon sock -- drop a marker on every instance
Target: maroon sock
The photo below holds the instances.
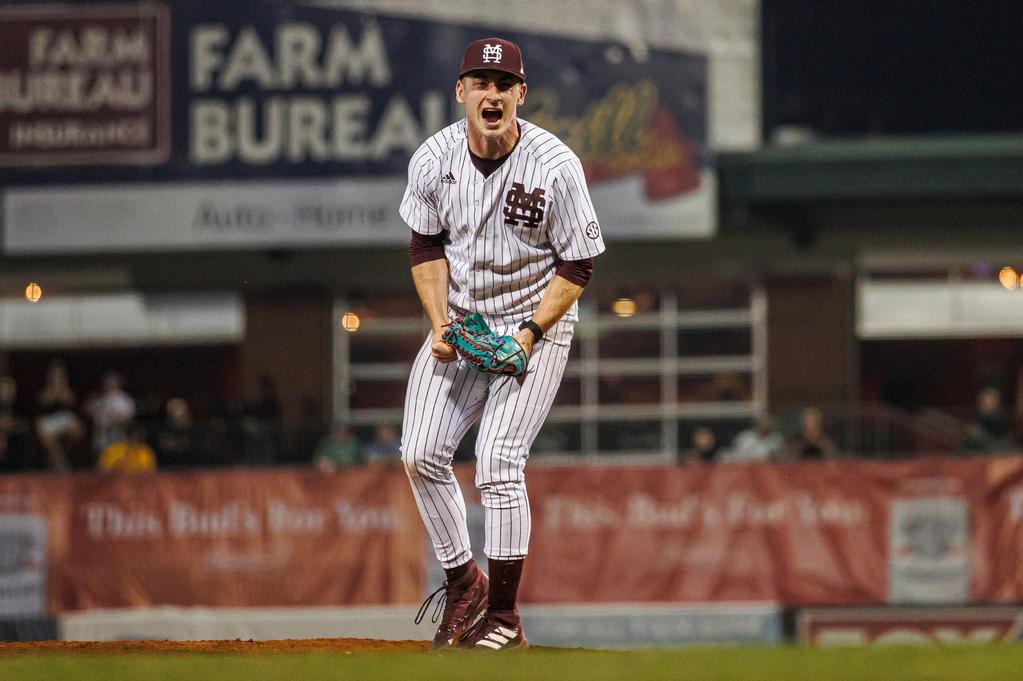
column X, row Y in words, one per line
column 461, row 572
column 504, row 587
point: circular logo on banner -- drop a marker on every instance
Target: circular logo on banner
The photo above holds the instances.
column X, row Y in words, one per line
column 592, row 230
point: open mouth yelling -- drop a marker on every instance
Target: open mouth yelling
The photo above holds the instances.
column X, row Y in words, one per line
column 492, row 116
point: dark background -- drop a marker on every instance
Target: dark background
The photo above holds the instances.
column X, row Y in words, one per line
column 899, row 67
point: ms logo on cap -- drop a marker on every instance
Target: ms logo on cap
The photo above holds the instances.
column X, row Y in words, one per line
column 495, row 54
column 491, row 54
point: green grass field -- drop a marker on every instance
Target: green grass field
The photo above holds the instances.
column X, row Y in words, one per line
column 975, row 663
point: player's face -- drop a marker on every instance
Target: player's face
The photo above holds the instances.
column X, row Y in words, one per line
column 491, row 99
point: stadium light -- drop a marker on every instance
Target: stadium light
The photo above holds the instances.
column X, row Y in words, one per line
column 33, row 292
column 350, row 322
column 624, row 307
column 1008, row 278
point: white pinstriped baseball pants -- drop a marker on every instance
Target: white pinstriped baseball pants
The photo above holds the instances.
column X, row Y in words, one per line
column 442, row 402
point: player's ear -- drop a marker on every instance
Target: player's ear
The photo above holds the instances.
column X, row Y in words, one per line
column 459, row 91
column 522, row 92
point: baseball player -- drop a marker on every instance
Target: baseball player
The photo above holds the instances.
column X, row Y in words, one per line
column 503, row 231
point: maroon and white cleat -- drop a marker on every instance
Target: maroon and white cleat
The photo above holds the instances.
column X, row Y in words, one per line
column 496, row 633
column 464, row 604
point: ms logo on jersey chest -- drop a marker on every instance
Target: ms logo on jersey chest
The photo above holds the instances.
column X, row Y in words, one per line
column 524, row 207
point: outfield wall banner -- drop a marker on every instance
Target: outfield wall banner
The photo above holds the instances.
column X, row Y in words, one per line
column 797, row 534
column 934, row 531
column 903, row 626
column 229, row 539
column 33, row 542
column 928, row 550
column 195, row 106
column 22, row 565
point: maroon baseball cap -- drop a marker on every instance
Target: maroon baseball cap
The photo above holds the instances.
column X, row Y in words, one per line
column 496, row 54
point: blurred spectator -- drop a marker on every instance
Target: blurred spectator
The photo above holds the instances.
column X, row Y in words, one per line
column 150, row 412
column 989, row 431
column 260, row 425
column 812, row 442
column 176, row 440
column 267, row 404
column 704, row 447
column 14, row 428
column 128, row 455
column 111, row 412
column 338, row 449
column 761, row 442
column 385, row 447
column 59, row 428
column 305, row 435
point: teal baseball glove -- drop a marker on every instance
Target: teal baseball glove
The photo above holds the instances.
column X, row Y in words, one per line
column 474, row 342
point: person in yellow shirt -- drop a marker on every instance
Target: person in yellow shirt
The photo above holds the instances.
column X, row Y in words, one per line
column 130, row 455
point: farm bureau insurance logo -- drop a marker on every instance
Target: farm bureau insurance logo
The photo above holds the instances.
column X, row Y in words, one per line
column 85, row 84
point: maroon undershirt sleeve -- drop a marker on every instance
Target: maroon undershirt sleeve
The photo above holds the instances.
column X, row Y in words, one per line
column 576, row 271
column 424, row 248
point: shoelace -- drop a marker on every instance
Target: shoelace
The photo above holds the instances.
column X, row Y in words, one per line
column 439, row 607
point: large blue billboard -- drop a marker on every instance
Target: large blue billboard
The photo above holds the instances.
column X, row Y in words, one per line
column 150, row 100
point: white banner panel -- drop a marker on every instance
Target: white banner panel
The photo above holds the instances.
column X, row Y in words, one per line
column 936, row 309
column 929, row 550
column 283, row 213
column 122, row 319
column 23, row 565
column 202, row 216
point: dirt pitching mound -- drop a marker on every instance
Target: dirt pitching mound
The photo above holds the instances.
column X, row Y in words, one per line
column 315, row 645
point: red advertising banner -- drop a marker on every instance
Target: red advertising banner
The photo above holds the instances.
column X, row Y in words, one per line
column 934, row 532
column 235, row 538
column 84, row 84
column 835, row 533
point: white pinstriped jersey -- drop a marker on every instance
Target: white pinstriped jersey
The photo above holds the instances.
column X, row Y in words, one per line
column 506, row 232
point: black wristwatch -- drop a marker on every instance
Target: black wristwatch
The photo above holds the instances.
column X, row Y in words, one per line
column 534, row 327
